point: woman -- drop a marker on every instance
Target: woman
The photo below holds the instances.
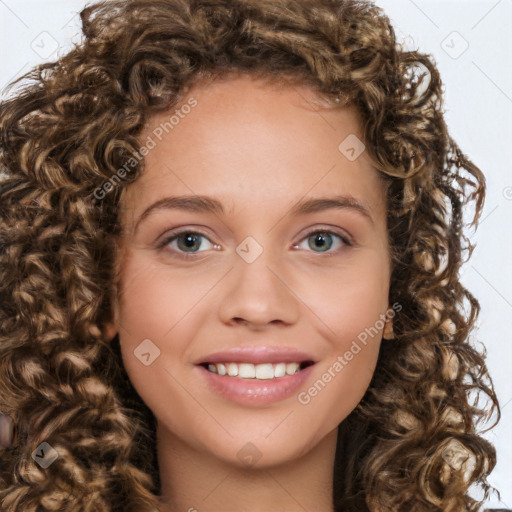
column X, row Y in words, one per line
column 315, row 356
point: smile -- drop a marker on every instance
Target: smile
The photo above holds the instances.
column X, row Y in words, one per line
column 264, row 371
column 254, row 384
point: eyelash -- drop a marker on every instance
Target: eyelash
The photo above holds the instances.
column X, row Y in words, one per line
column 174, row 235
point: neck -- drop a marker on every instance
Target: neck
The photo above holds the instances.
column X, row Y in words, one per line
column 195, row 481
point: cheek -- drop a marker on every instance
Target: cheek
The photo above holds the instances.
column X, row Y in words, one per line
column 153, row 318
column 347, row 306
column 155, row 298
column 158, row 314
column 347, row 300
column 352, row 325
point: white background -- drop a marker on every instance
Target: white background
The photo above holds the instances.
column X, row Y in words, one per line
column 471, row 42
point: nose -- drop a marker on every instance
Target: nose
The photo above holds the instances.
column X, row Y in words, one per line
column 259, row 294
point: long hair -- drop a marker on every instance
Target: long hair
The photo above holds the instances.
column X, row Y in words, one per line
column 413, row 442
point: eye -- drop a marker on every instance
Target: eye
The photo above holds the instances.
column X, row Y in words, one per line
column 323, row 240
column 185, row 242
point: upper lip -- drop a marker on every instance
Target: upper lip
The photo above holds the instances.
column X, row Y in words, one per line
column 257, row 355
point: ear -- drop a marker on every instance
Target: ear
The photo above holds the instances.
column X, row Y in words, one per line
column 109, row 331
column 110, row 328
column 388, row 332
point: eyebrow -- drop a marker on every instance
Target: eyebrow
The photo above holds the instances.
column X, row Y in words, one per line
column 205, row 204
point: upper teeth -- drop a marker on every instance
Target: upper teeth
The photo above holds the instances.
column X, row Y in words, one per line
column 255, row 371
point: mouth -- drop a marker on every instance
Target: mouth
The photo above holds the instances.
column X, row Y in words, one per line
column 261, row 371
column 256, row 384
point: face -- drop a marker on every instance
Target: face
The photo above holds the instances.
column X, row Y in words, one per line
column 247, row 276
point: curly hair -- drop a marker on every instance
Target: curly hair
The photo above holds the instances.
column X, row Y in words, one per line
column 75, row 121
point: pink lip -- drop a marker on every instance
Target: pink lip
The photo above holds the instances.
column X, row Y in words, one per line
column 257, row 355
column 254, row 391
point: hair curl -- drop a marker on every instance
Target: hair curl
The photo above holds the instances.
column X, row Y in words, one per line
column 75, row 121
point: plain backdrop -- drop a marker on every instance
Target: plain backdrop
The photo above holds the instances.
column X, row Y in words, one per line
column 470, row 42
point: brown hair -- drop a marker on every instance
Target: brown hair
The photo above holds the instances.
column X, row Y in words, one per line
column 75, row 122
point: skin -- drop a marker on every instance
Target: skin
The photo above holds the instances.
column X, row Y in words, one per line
column 258, row 149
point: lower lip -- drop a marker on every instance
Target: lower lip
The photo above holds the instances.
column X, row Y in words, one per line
column 255, row 391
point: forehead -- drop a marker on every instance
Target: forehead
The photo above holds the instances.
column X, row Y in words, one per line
column 254, row 143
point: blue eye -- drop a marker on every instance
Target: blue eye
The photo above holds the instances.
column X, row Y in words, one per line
column 323, row 240
column 187, row 243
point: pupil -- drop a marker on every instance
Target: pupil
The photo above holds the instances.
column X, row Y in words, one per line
column 322, row 239
column 189, row 240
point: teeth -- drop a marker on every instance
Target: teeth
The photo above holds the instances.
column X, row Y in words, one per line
column 292, row 368
column 263, row 371
column 232, row 369
column 246, row 370
column 280, row 370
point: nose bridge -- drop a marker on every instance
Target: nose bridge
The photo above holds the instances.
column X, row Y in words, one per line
column 258, row 293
